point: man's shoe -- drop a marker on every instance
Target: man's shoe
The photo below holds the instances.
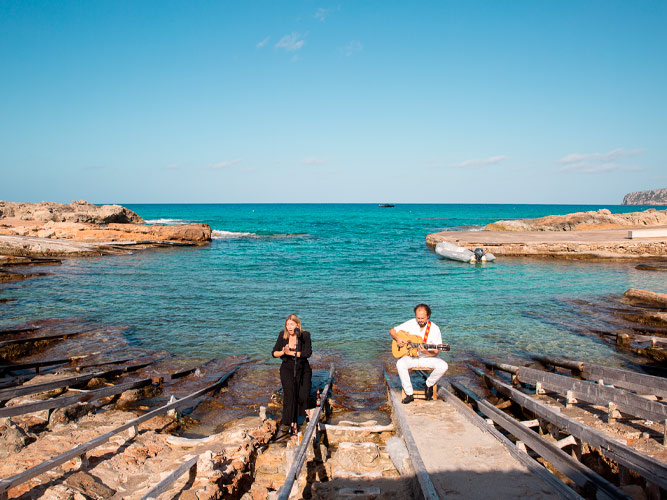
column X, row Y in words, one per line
column 428, row 394
column 408, row 399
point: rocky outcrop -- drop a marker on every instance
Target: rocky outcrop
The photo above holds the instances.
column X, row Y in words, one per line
column 82, row 229
column 77, row 211
column 584, row 221
column 651, row 197
column 601, row 244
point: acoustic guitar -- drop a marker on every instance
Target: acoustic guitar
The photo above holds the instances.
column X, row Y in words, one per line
column 412, row 343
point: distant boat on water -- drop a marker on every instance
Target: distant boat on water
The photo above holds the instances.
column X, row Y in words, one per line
column 386, row 205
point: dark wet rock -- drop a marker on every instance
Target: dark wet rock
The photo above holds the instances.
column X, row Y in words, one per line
column 69, row 414
column 656, row 266
column 89, row 486
column 12, row 438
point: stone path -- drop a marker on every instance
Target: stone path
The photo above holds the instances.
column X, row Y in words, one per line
column 465, row 462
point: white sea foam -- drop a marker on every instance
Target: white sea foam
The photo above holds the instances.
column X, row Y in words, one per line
column 222, row 235
column 166, row 221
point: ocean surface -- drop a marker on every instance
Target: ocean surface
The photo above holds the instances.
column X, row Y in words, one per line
column 351, row 272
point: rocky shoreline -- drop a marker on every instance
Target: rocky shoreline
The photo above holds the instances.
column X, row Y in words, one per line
column 582, row 235
column 81, row 229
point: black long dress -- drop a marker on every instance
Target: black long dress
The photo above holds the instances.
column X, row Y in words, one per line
column 300, row 388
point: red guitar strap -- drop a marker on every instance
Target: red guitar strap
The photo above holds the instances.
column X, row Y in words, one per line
column 428, row 329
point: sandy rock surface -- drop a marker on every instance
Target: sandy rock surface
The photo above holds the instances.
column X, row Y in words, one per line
column 77, row 211
column 81, row 229
column 584, row 221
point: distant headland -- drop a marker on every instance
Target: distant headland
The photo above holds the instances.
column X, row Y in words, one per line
column 650, row 197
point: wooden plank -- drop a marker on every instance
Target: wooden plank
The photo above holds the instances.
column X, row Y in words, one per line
column 647, row 467
column 427, row 488
column 578, row 472
column 10, row 482
column 562, row 362
column 38, row 339
column 62, row 402
column 164, row 485
column 18, row 330
column 24, row 390
column 637, row 382
column 626, row 402
column 300, row 455
column 561, row 488
column 35, row 364
column 640, row 383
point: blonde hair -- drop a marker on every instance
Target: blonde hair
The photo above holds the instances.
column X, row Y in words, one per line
column 292, row 317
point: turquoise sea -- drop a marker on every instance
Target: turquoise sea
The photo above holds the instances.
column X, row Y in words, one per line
column 351, row 272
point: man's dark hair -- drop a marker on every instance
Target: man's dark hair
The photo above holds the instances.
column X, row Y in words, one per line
column 425, row 307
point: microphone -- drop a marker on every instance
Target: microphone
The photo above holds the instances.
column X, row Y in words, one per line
column 297, row 332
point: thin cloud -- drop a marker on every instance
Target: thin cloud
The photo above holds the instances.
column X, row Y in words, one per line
column 290, row 42
column 612, row 156
column 263, row 42
column 480, row 162
column 322, row 14
column 224, row 164
column 311, row 161
column 599, row 169
column 352, row 47
column 598, row 163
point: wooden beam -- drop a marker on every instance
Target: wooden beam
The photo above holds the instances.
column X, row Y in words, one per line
column 561, row 488
column 300, row 455
column 43, row 337
column 10, row 482
column 647, row 467
column 6, row 394
column 501, row 366
column 626, row 402
column 164, row 485
column 35, row 364
column 582, row 476
column 427, row 488
column 64, row 401
column 18, row 330
column 562, row 362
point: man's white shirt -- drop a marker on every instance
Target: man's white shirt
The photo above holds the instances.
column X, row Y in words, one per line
column 412, row 327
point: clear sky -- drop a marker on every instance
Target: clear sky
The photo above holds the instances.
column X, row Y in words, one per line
column 303, row 101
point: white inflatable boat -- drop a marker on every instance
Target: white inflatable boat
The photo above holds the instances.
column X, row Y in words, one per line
column 451, row 251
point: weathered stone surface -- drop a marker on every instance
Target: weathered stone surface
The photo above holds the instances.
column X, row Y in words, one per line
column 599, row 244
column 82, row 229
column 646, row 297
column 77, row 211
column 650, row 197
column 584, row 221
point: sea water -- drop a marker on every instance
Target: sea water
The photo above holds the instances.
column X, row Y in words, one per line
column 351, row 272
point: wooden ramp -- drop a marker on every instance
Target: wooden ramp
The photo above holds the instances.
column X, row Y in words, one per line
column 463, row 460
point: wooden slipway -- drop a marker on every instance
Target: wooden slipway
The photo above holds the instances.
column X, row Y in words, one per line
column 463, row 461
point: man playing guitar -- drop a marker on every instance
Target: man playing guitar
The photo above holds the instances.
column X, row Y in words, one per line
column 423, row 327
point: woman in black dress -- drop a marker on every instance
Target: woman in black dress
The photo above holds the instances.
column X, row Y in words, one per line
column 294, row 348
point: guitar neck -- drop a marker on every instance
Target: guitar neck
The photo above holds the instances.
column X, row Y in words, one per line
column 427, row 346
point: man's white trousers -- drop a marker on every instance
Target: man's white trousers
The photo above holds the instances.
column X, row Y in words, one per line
column 406, row 362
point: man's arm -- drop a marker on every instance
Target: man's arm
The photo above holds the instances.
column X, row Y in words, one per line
column 394, row 336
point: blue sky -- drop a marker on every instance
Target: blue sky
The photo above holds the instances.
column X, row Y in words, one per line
column 434, row 102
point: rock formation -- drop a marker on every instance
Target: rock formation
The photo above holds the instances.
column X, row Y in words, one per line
column 77, row 211
column 584, row 221
column 81, row 229
column 651, row 197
